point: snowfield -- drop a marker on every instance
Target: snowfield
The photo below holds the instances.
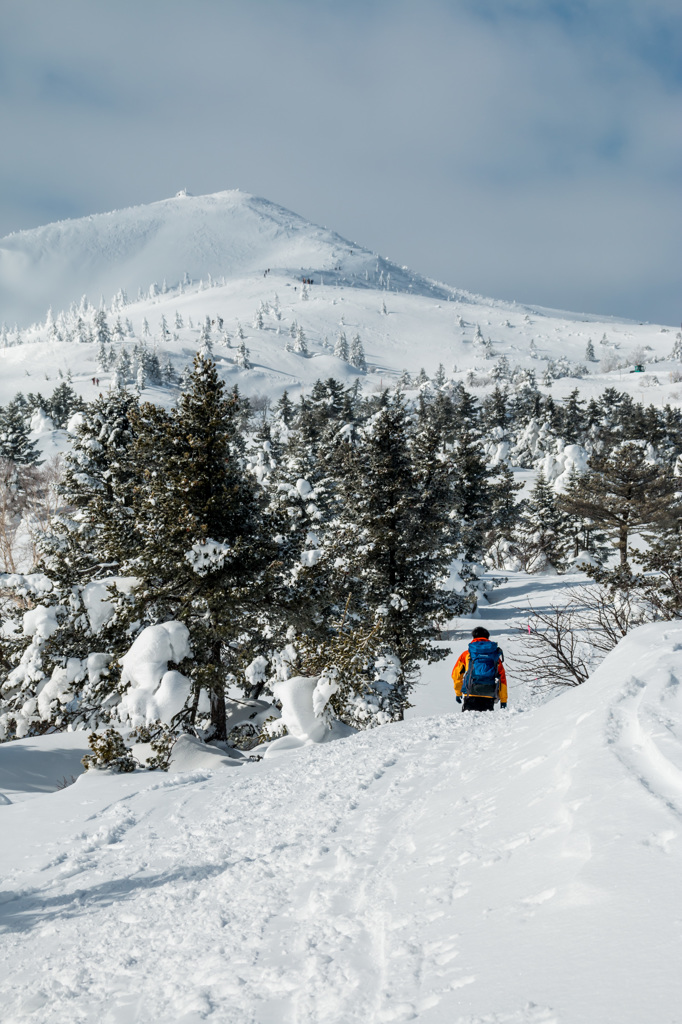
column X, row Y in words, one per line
column 468, row 869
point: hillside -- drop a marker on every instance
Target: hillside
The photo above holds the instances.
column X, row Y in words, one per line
column 228, row 234
column 463, row 869
column 231, row 255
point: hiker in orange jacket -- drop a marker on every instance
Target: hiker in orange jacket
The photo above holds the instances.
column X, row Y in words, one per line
column 478, row 702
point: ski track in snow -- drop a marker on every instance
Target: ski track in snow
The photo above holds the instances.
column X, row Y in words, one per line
column 271, row 923
column 502, row 869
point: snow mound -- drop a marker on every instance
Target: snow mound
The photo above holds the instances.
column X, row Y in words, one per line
column 304, row 700
column 155, row 694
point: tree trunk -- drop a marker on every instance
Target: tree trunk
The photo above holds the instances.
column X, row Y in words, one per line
column 218, row 721
column 218, row 718
column 623, row 543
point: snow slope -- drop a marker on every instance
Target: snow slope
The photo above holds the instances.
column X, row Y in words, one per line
column 225, row 234
column 213, row 252
column 471, row 869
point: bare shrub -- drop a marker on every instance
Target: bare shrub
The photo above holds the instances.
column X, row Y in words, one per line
column 29, row 499
column 564, row 645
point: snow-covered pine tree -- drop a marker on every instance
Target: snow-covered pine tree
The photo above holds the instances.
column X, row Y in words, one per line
column 63, row 404
column 101, row 328
column 341, row 347
column 152, row 367
column 103, row 360
column 473, row 495
column 540, row 537
column 589, row 352
column 243, row 360
column 206, row 346
column 118, row 333
column 65, row 674
column 300, row 343
column 178, row 321
column 501, row 370
column 124, row 366
column 168, row 375
column 573, row 422
column 584, row 537
column 624, row 490
column 15, row 443
column 207, row 558
column 357, row 354
column 390, row 543
column 677, row 347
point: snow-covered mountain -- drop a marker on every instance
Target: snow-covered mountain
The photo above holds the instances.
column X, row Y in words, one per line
column 226, row 235
column 241, row 261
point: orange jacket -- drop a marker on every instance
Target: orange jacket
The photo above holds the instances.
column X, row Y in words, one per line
column 462, row 664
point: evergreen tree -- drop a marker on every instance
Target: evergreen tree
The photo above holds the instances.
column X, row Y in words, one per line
column 207, row 557
column 391, row 542
column 63, row 404
column 124, row 366
column 589, row 352
column 663, row 559
column 540, row 535
column 622, row 492
column 102, row 333
column 341, row 347
column 15, row 443
column 357, row 354
column 573, row 423
column 103, row 361
column 300, row 344
column 501, row 370
column 473, row 494
column 284, row 410
column 677, row 347
column 243, row 356
column 168, row 375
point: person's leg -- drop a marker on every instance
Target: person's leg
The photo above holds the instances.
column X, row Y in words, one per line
column 477, row 704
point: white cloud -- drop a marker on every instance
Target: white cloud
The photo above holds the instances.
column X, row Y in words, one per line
column 528, row 150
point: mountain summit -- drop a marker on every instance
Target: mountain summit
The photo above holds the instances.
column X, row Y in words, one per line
column 228, row 234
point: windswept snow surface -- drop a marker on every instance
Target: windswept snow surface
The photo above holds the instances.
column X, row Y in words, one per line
column 519, row 868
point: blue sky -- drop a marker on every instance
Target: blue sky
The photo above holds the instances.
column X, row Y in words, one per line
column 527, row 149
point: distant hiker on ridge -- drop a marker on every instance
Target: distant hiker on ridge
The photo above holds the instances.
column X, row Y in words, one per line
column 479, row 675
